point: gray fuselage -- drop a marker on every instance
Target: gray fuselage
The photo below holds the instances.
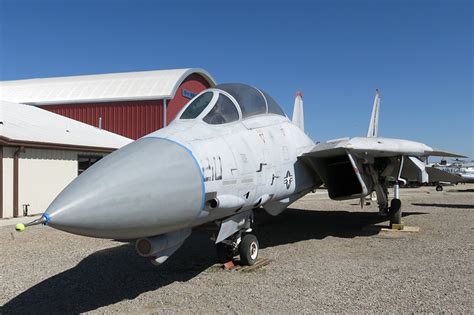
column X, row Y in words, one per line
column 169, row 179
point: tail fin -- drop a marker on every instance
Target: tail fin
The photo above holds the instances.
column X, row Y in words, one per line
column 298, row 114
column 374, row 119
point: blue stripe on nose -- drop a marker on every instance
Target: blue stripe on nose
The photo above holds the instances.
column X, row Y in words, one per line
column 203, row 188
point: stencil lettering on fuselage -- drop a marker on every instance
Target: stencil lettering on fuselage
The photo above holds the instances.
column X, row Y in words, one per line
column 212, row 168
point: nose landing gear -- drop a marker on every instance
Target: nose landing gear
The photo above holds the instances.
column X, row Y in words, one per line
column 246, row 246
column 394, row 211
column 241, row 242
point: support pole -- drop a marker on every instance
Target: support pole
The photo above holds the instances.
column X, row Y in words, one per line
column 16, row 182
column 1, row 182
column 165, row 105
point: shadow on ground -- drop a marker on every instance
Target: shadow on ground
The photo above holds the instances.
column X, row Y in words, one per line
column 107, row 277
column 296, row 225
column 463, row 190
column 116, row 274
column 444, row 205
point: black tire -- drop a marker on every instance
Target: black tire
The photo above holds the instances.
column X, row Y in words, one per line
column 439, row 188
column 225, row 253
column 395, row 212
column 248, row 249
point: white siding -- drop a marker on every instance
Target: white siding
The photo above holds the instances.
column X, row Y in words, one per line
column 43, row 174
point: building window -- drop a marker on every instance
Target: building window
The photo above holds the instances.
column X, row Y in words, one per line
column 86, row 161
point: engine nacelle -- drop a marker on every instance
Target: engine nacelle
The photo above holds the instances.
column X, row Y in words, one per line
column 160, row 247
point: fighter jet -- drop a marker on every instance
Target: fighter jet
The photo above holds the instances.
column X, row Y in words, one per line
column 230, row 151
column 451, row 173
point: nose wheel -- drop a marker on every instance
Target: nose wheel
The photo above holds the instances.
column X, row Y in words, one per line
column 248, row 249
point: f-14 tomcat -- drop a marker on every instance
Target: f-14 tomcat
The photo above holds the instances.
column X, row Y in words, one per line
column 230, row 151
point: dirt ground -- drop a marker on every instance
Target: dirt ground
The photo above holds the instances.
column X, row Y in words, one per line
column 324, row 258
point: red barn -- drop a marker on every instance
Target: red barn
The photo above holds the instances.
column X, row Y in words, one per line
column 131, row 104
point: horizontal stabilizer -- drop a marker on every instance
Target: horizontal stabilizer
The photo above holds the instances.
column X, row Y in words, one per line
column 437, row 175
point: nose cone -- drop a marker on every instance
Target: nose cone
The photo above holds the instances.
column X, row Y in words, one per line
column 149, row 187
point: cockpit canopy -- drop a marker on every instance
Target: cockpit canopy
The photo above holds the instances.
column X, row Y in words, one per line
column 229, row 102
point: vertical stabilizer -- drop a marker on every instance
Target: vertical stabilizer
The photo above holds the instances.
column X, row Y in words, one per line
column 374, row 119
column 298, row 114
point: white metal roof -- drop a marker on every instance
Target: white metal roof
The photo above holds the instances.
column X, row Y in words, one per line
column 26, row 123
column 144, row 85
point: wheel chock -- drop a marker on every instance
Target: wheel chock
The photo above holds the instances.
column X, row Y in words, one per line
column 397, row 227
column 394, row 228
column 228, row 265
column 404, row 228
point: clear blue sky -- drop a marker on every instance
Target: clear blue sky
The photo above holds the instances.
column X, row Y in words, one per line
column 419, row 53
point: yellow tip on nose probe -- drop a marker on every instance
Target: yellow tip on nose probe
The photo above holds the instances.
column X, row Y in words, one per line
column 20, row 227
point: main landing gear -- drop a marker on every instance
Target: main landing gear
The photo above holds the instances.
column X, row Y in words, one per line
column 242, row 243
column 394, row 211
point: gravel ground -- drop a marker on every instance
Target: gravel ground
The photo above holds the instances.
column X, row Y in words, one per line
column 323, row 260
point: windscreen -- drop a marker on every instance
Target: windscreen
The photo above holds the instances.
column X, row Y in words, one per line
column 197, row 106
column 273, row 107
column 223, row 112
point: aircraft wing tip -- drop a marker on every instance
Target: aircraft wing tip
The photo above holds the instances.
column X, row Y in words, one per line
column 443, row 153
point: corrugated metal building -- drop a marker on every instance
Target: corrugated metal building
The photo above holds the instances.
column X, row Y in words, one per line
column 131, row 104
column 41, row 152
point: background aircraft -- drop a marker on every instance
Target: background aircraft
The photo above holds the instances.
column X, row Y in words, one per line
column 230, row 151
column 459, row 172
